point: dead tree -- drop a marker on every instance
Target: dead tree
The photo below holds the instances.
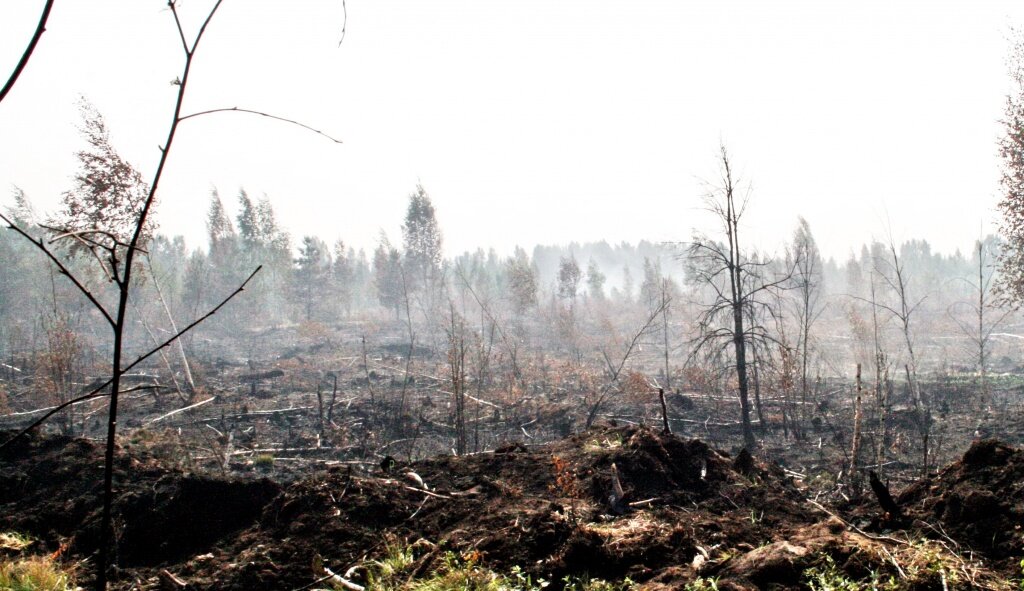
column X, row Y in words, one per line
column 456, row 332
column 737, row 281
column 806, row 282
column 979, row 330
column 855, row 479
column 903, row 311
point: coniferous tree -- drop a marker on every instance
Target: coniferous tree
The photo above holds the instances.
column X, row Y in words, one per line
column 421, row 237
column 595, row 281
column 522, row 282
column 311, row 277
column 342, row 277
column 388, row 277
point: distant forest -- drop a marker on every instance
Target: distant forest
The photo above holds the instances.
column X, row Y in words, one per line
column 309, row 284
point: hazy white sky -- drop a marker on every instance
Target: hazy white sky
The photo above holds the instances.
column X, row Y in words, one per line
column 535, row 121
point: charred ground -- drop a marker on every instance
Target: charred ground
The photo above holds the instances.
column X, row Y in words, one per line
column 689, row 512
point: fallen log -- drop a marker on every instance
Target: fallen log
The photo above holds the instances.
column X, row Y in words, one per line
column 181, row 410
column 262, row 375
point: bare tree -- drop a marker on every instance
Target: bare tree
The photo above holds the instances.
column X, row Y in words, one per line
column 807, row 286
column 986, row 315
column 456, row 333
column 891, row 269
column 737, row 281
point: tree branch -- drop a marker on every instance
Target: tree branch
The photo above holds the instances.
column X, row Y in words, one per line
column 38, row 243
column 29, row 50
column 261, row 114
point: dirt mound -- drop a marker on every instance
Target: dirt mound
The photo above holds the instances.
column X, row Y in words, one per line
column 50, row 488
column 978, row 501
column 545, row 510
column 613, row 502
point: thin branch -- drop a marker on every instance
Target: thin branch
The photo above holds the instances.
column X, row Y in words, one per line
column 98, row 391
column 177, row 22
column 28, row 51
column 261, row 114
column 38, row 243
column 344, row 23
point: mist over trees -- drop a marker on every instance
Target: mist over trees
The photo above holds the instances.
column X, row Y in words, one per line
column 764, row 326
column 564, row 296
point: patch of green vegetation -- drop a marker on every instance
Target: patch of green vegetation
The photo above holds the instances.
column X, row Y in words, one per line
column 585, row 583
column 453, row 571
column 32, row 573
column 612, row 441
column 828, row 577
column 702, row 584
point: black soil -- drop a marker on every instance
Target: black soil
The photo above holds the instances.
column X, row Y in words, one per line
column 688, row 511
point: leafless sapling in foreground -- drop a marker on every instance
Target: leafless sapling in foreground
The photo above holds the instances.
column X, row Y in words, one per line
column 855, row 478
column 116, row 253
column 455, row 331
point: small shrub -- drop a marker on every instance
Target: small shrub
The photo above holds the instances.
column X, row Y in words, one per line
column 702, row 584
column 35, row 573
column 828, row 577
column 454, row 572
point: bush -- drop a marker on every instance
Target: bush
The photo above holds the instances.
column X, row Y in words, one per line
column 33, row 573
column 264, row 461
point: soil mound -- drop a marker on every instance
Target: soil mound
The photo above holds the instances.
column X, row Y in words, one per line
column 613, row 502
column 546, row 510
column 978, row 501
column 50, row 487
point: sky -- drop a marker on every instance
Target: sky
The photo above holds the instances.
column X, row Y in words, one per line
column 534, row 122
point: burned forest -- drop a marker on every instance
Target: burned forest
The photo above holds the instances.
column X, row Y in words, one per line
column 266, row 408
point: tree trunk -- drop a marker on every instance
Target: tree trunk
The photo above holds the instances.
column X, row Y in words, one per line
column 855, row 452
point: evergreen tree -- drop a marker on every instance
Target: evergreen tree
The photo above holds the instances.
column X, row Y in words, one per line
column 569, row 276
column 311, row 277
column 650, row 287
column 421, row 238
column 388, row 277
column 595, row 281
column 522, row 282
column 342, row 276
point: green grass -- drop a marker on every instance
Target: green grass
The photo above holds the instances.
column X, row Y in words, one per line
column 462, row 572
column 702, row 584
column 29, row 573
column 36, row 573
